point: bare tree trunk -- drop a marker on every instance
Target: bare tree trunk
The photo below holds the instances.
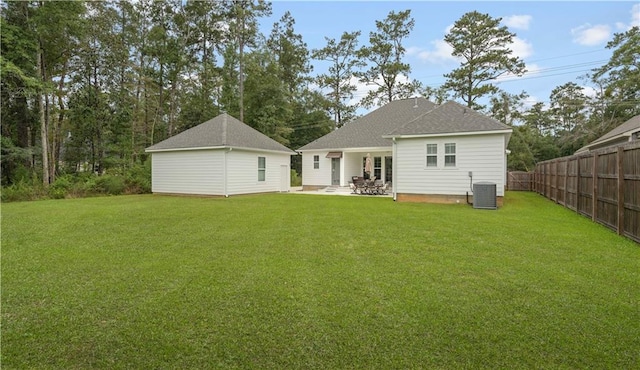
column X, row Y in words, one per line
column 56, row 145
column 241, row 61
column 172, row 108
column 44, row 130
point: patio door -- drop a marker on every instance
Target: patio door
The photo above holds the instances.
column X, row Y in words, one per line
column 335, row 171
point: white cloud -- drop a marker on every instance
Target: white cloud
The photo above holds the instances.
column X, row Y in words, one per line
column 521, row 48
column 439, row 54
column 635, row 16
column 530, row 101
column 520, row 22
column 362, row 89
column 589, row 35
column 441, row 51
column 589, row 91
column 635, row 19
column 413, row 51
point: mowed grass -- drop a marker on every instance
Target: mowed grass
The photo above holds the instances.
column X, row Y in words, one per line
column 302, row 281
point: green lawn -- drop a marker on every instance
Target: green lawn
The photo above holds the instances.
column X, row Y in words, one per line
column 303, row 281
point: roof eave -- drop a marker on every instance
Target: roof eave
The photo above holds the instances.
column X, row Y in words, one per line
column 350, row 149
column 609, row 139
column 466, row 133
column 288, row 151
column 149, row 150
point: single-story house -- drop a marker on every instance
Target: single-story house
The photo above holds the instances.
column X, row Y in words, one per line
column 427, row 152
column 220, row 157
column 627, row 132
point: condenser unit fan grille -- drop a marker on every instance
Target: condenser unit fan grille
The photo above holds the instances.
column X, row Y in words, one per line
column 484, row 195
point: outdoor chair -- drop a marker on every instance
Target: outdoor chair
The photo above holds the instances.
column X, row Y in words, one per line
column 358, row 184
column 377, row 186
column 383, row 188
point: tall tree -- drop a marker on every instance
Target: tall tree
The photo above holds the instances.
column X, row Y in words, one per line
column 291, row 54
column 244, row 30
column 569, row 111
column 207, row 40
column 620, row 77
column 384, row 55
column 343, row 62
column 483, row 45
column 267, row 104
column 58, row 26
column 437, row 95
column 19, row 84
column 508, row 109
column 543, row 145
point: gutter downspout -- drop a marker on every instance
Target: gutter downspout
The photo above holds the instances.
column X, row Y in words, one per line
column 394, row 154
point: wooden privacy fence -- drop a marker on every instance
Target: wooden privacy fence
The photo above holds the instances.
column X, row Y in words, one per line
column 603, row 185
column 520, row 181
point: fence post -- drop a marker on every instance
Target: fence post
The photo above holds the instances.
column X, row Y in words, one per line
column 620, row 160
column 566, row 177
column 555, row 172
column 578, row 186
column 594, row 198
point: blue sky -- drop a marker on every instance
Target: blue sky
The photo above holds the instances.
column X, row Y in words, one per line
column 559, row 41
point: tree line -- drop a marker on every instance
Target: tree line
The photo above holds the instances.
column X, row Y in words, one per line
column 87, row 86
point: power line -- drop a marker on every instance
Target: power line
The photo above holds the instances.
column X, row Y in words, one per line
column 541, row 73
column 568, row 55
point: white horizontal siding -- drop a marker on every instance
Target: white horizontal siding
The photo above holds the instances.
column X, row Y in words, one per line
column 483, row 155
column 242, row 172
column 352, row 166
column 187, row 172
column 316, row 176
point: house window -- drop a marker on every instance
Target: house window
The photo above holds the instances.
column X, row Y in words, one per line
column 262, row 168
column 432, row 155
column 316, row 162
column 450, row 155
column 377, row 167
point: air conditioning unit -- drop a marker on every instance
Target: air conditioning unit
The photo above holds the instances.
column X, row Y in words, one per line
column 484, row 195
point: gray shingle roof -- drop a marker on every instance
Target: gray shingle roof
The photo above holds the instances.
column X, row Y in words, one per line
column 629, row 126
column 450, row 117
column 221, row 131
column 367, row 131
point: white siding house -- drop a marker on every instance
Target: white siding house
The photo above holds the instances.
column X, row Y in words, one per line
column 477, row 158
column 222, row 157
column 188, row 172
column 441, row 154
column 353, row 141
column 426, row 152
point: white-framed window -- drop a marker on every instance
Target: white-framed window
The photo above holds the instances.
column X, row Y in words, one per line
column 450, row 154
column 316, row 162
column 377, row 167
column 432, row 155
column 262, row 168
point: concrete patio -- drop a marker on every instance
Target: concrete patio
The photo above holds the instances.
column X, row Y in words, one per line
column 335, row 190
